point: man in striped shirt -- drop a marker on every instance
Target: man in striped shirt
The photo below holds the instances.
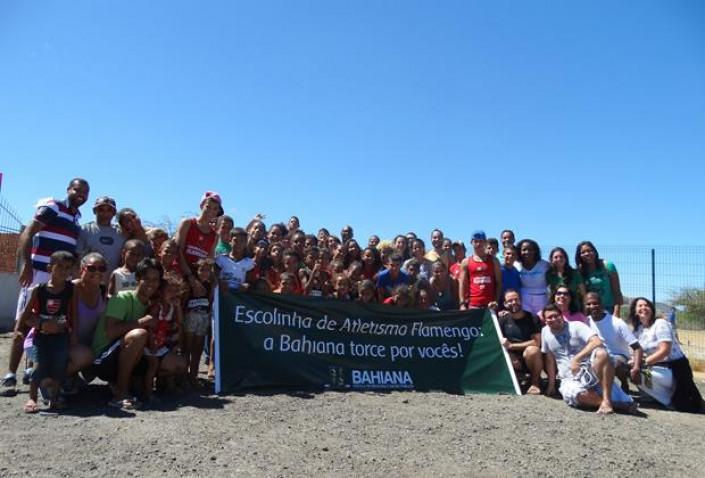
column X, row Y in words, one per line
column 54, row 228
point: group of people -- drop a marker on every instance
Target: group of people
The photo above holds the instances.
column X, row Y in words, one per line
column 133, row 306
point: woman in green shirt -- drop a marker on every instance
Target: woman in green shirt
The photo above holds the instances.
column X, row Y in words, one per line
column 562, row 274
column 599, row 276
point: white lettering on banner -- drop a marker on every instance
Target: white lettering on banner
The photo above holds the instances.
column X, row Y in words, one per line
column 243, row 315
column 418, row 329
column 304, row 345
column 381, row 379
column 357, row 326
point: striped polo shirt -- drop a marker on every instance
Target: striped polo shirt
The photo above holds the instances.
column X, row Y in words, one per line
column 60, row 232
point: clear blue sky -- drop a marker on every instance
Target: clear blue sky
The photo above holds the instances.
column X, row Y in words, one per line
column 562, row 120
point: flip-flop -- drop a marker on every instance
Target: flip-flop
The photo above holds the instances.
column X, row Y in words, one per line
column 533, row 390
column 122, row 404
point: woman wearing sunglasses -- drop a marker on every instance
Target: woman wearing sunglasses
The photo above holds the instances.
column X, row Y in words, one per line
column 90, row 297
column 565, row 300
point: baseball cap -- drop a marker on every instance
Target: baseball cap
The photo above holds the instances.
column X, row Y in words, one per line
column 105, row 201
column 214, row 196
column 478, row 236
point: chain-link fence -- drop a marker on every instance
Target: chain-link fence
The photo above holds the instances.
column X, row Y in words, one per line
column 673, row 277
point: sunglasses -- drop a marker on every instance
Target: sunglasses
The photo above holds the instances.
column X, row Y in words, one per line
column 94, row 268
column 562, row 293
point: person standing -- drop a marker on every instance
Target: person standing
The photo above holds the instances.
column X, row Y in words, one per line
column 196, row 238
column 437, row 253
column 480, row 281
column 55, row 227
column 600, row 276
column 102, row 236
column 532, row 273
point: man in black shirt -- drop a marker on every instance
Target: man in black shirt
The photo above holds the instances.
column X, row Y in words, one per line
column 521, row 336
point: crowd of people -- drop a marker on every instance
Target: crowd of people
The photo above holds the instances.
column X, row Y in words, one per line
column 133, row 306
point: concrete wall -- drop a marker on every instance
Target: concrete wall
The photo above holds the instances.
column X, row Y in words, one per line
column 9, row 289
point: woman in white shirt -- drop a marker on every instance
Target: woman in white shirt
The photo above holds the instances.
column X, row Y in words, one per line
column 667, row 376
column 532, row 273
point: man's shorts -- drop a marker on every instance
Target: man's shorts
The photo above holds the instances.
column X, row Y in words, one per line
column 107, row 363
column 197, row 323
column 586, row 380
column 52, row 356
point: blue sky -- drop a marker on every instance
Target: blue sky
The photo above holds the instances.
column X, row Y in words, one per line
column 561, row 120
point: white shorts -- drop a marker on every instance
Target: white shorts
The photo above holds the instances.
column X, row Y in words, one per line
column 572, row 387
column 197, row 323
column 38, row 277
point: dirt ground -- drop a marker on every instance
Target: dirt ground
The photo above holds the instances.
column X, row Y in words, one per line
column 345, row 434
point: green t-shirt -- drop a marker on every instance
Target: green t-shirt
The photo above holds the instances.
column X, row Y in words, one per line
column 222, row 248
column 554, row 281
column 125, row 307
column 599, row 281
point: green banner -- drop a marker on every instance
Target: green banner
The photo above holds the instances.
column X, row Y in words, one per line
column 267, row 340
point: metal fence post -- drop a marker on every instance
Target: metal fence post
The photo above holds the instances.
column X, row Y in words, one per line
column 653, row 276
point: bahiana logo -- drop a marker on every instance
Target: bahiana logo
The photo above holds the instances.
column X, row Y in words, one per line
column 382, row 379
column 336, row 377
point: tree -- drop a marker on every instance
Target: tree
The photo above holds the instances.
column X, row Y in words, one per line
column 690, row 303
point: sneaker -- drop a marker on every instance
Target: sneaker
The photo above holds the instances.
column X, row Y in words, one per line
column 88, row 376
column 8, row 385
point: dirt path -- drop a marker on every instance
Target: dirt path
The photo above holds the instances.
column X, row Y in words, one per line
column 345, row 434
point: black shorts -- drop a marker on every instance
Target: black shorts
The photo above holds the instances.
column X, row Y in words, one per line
column 52, row 356
column 106, row 363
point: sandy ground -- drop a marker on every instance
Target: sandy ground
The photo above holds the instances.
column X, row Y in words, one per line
column 345, row 434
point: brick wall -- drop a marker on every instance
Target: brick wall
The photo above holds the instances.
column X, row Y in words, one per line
column 8, row 252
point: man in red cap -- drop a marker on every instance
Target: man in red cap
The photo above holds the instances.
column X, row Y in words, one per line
column 196, row 238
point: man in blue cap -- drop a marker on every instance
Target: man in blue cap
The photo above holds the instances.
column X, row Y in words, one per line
column 480, row 280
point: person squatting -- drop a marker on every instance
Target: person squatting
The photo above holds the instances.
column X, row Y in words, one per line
column 133, row 306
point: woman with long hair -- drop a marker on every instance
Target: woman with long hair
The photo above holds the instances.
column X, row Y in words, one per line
column 371, row 263
column 564, row 299
column 532, row 274
column 351, row 252
column 418, row 253
column 402, row 247
column 561, row 273
column 599, row 276
column 443, row 288
column 667, row 376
